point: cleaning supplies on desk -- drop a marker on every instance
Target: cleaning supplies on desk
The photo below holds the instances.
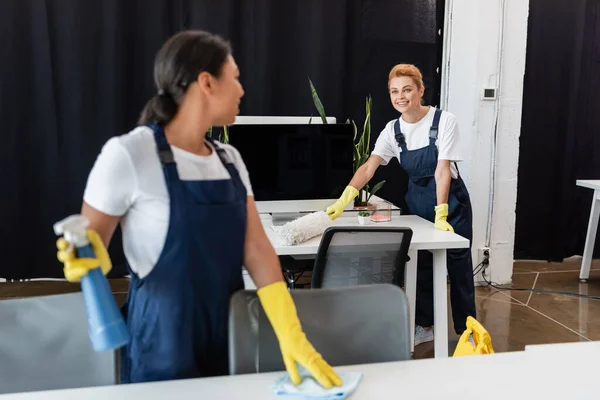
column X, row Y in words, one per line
column 302, row 229
column 309, row 389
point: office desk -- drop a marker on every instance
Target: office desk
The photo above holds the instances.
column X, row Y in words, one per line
column 425, row 237
column 592, row 227
column 522, row 375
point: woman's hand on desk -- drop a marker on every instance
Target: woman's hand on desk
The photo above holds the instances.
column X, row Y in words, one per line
column 441, row 216
column 295, row 347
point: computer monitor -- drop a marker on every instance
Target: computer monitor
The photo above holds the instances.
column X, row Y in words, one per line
column 296, row 162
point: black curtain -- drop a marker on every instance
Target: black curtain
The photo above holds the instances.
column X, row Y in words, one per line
column 74, row 73
column 560, row 139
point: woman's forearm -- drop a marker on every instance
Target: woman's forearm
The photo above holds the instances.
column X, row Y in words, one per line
column 443, row 177
column 365, row 172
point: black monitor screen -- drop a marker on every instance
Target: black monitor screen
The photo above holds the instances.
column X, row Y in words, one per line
column 296, row 162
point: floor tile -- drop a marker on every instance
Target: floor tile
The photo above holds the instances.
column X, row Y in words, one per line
column 490, row 293
column 521, row 283
column 577, row 313
column 512, row 326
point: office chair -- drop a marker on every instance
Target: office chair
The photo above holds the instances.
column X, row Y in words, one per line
column 294, row 268
column 350, row 256
column 44, row 345
column 352, row 325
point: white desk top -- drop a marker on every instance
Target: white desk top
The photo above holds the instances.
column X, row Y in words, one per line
column 524, row 375
column 425, row 236
column 591, row 184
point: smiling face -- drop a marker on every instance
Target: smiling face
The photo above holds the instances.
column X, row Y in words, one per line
column 405, row 94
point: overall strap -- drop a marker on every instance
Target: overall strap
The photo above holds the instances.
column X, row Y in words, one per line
column 165, row 155
column 400, row 139
column 223, row 155
column 433, row 131
column 228, row 164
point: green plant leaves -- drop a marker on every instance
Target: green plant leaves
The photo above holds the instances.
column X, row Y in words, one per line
column 362, row 148
column 317, row 102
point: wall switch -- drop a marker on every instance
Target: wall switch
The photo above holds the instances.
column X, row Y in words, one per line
column 488, row 94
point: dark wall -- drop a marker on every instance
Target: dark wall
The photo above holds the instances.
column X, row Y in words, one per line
column 560, row 137
column 74, row 73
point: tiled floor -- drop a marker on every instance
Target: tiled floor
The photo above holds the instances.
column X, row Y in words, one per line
column 516, row 318
column 513, row 318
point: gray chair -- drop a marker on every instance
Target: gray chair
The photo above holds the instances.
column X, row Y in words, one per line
column 44, row 345
column 353, row 325
column 350, row 256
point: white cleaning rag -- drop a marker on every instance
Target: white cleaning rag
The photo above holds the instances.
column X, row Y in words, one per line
column 302, row 229
column 309, row 389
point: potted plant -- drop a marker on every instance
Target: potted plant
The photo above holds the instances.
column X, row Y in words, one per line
column 362, row 148
column 222, row 137
column 364, row 217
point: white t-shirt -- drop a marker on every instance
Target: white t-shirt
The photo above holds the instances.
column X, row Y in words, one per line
column 417, row 137
column 127, row 180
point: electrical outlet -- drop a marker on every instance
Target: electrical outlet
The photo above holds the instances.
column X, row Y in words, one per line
column 483, row 263
column 484, row 257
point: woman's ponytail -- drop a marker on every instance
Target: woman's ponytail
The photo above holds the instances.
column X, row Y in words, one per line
column 161, row 108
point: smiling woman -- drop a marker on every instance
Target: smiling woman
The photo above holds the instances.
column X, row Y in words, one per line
column 426, row 142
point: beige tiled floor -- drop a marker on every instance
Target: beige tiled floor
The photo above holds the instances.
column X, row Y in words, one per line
column 516, row 318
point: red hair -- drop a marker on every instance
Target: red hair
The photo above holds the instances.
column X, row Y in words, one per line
column 407, row 70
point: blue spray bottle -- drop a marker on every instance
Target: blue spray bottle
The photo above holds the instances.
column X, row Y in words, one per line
column 107, row 329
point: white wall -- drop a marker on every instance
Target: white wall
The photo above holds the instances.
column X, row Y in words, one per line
column 485, row 49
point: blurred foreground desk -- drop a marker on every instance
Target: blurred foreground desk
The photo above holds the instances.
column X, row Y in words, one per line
column 520, row 375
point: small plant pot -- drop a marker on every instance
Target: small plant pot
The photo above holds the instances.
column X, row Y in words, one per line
column 364, row 220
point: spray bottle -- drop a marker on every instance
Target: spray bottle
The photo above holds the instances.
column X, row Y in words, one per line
column 106, row 326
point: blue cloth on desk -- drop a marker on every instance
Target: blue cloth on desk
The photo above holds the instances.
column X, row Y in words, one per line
column 310, row 389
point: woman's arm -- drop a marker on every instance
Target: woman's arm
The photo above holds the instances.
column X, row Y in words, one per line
column 443, row 178
column 361, row 177
column 262, row 263
column 365, row 172
column 103, row 224
column 260, row 258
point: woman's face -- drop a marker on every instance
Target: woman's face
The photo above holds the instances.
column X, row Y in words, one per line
column 226, row 95
column 404, row 94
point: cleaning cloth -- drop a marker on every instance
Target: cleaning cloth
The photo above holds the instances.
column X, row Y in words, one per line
column 310, row 389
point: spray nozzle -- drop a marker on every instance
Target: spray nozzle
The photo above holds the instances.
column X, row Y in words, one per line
column 74, row 229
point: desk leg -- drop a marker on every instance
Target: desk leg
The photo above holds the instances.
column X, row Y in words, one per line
column 410, row 287
column 440, row 303
column 590, row 239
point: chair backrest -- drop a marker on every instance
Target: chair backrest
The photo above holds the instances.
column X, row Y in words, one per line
column 350, row 256
column 44, row 345
column 348, row 326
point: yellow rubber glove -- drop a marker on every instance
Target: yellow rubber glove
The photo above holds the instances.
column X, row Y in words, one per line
column 295, row 347
column 337, row 208
column 75, row 268
column 441, row 216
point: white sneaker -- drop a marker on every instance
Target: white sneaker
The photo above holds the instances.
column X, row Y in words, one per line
column 422, row 335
